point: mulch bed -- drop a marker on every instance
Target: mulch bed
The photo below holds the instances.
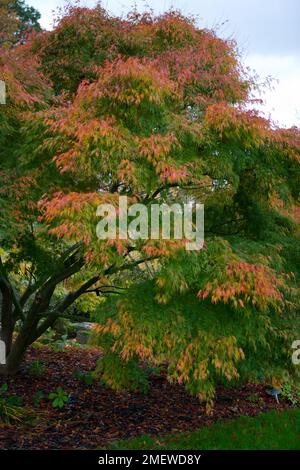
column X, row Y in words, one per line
column 96, row 415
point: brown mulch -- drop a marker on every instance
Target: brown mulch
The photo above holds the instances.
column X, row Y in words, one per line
column 96, row 415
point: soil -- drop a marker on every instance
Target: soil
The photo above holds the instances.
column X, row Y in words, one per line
column 95, row 415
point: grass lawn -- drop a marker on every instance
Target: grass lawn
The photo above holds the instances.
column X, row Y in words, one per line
column 267, row 431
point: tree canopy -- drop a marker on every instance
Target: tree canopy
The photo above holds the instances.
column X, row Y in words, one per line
column 157, row 109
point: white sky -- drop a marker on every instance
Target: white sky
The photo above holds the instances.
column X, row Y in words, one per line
column 267, row 32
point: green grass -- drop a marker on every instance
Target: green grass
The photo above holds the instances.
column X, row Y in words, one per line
column 268, row 431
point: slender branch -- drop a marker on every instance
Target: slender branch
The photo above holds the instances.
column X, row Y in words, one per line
column 114, row 269
column 74, row 248
column 160, row 190
column 56, row 279
column 31, row 289
column 174, row 185
column 72, row 296
column 100, row 289
column 101, row 292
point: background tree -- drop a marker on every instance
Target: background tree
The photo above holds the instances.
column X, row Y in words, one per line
column 8, row 22
column 17, row 21
column 156, row 109
column 28, row 18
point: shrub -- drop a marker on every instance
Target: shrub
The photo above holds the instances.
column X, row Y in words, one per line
column 59, row 398
column 38, row 397
column 36, row 368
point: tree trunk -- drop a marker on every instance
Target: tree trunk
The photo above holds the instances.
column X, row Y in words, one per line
column 12, row 362
column 14, row 350
column 14, row 356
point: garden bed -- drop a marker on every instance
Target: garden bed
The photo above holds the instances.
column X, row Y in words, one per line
column 95, row 416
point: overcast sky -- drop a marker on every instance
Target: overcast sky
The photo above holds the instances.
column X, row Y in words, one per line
column 267, row 32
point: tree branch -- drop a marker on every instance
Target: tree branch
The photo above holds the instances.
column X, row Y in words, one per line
column 114, row 269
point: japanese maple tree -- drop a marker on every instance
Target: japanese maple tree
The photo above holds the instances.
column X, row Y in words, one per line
column 156, row 109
